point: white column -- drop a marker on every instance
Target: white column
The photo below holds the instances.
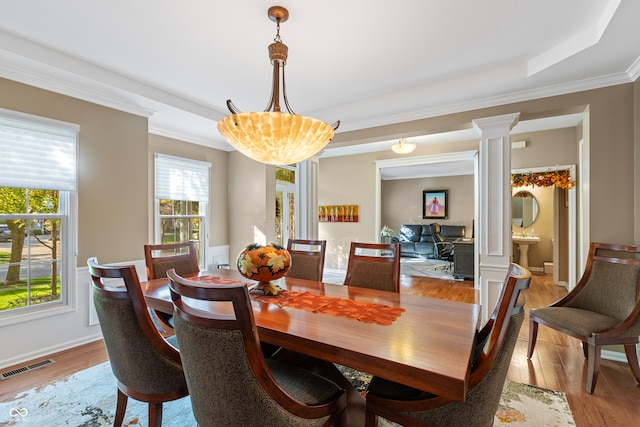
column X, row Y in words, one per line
column 307, row 203
column 493, row 207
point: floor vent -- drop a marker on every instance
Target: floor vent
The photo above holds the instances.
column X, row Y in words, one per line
column 23, row 369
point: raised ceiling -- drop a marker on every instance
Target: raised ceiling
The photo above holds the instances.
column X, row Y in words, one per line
column 364, row 62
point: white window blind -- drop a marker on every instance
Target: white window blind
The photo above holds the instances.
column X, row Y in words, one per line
column 181, row 179
column 37, row 153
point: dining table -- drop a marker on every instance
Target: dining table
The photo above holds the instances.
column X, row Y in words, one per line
column 427, row 346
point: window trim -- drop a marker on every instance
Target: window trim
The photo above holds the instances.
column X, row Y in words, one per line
column 191, row 169
column 67, row 210
column 68, row 301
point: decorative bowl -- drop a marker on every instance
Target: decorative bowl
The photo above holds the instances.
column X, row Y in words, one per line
column 264, row 264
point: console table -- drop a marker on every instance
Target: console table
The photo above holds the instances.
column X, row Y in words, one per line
column 463, row 259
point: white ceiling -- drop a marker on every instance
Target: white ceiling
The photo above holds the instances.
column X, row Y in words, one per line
column 364, row 62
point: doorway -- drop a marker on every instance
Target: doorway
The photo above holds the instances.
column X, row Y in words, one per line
column 555, row 224
column 286, row 202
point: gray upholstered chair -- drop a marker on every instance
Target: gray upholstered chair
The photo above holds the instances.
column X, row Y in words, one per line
column 147, row 367
column 182, row 257
column 230, row 382
column 493, row 349
column 603, row 308
column 307, row 258
column 374, row 265
column 161, row 257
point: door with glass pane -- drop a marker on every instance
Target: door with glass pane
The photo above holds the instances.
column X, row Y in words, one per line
column 286, row 198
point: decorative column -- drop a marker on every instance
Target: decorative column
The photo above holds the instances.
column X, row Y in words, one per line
column 307, row 203
column 493, row 207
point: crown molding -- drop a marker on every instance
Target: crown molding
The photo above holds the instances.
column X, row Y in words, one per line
column 182, row 136
column 634, row 70
column 66, row 88
column 509, row 98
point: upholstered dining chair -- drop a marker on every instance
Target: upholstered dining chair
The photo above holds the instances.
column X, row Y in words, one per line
column 374, row 265
column 603, row 308
column 490, row 359
column 147, row 366
column 161, row 257
column 307, row 258
column 230, row 382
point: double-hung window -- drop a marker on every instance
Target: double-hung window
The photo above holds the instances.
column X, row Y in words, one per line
column 37, row 216
column 182, row 201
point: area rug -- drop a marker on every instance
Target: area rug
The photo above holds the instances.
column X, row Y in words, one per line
column 408, row 266
column 520, row 404
column 87, row 399
column 427, row 268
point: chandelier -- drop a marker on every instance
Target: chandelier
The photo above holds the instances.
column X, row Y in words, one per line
column 403, row 147
column 275, row 137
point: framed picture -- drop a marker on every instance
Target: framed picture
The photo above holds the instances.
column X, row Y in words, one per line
column 338, row 213
column 435, row 204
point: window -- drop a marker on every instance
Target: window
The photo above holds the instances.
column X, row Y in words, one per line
column 37, row 215
column 182, row 197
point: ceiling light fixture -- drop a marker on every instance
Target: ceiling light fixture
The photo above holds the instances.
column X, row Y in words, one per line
column 272, row 136
column 403, row 147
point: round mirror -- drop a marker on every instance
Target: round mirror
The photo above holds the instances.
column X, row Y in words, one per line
column 524, row 209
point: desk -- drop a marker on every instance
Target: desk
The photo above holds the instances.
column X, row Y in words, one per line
column 428, row 347
column 463, row 258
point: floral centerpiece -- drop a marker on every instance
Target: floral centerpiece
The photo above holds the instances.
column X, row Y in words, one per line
column 386, row 232
column 264, row 264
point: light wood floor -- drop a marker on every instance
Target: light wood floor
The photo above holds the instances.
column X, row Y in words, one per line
column 557, row 363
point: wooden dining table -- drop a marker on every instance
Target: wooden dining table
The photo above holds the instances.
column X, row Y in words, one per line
column 428, row 346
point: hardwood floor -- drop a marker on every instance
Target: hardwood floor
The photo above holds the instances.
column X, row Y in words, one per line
column 557, row 363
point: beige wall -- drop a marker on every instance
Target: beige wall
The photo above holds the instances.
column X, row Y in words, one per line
column 112, row 170
column 347, row 180
column 611, row 142
column 546, row 149
column 251, row 203
column 351, row 180
column 112, row 208
column 402, row 201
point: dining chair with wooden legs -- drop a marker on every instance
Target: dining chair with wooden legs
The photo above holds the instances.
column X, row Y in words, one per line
column 230, row 381
column 162, row 257
column 603, row 308
column 307, row 258
column 490, row 359
column 147, row 366
column 374, row 266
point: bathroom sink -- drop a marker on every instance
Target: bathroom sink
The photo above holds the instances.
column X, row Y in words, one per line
column 526, row 240
column 523, row 243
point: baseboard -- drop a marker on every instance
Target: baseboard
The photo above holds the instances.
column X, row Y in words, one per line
column 617, row 356
column 536, row 270
column 48, row 351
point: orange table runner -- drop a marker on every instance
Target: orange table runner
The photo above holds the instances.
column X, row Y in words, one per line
column 362, row 311
column 214, row 280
